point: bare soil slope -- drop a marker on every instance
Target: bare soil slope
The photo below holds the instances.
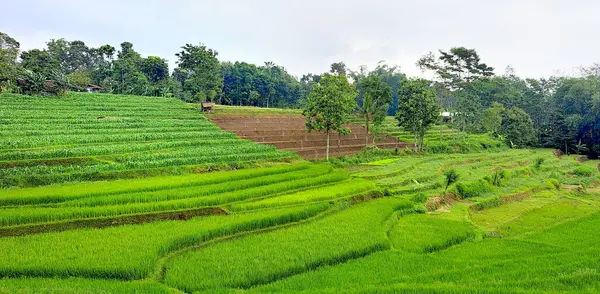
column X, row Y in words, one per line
column 288, row 132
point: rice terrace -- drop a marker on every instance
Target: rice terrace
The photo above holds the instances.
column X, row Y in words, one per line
column 118, row 175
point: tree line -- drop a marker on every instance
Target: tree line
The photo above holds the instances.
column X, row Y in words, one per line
column 557, row 112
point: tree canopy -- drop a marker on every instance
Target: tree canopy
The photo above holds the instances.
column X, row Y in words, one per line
column 329, row 105
column 376, row 98
column 417, row 108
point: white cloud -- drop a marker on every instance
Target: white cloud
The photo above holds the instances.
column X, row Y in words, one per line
column 536, row 37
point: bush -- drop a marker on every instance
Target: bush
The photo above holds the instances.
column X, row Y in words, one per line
column 419, row 198
column 583, row 171
column 386, row 192
column 420, row 209
column 497, row 177
column 553, row 184
column 473, row 189
column 538, row 162
column 487, row 204
column 451, row 177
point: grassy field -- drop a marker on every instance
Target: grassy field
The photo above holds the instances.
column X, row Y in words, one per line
column 85, row 137
column 515, row 221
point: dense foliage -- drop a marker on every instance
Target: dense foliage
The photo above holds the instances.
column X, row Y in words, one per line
column 329, row 105
column 417, row 109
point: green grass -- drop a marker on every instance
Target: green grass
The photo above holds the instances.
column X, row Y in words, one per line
column 251, row 110
column 79, row 285
column 507, row 226
column 538, row 219
column 543, row 262
column 85, row 137
column 127, row 252
column 426, row 233
column 259, row 259
column 193, row 197
column 344, row 189
column 71, row 191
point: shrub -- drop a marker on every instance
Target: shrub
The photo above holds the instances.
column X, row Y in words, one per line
column 419, row 198
column 553, row 184
column 497, row 177
column 486, row 204
column 420, row 209
column 583, row 171
column 473, row 189
column 538, row 162
column 386, row 192
column 451, row 177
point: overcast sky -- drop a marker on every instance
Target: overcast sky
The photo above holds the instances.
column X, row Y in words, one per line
column 535, row 37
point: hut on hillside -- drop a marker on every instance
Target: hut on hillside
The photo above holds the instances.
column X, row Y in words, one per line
column 93, row 88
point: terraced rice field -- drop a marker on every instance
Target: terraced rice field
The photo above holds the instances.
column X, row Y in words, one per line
column 288, row 132
column 450, row 142
column 95, row 136
column 516, row 221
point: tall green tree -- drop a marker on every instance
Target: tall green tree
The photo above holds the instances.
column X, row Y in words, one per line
column 576, row 118
column 492, row 118
column 338, row 68
column 39, row 61
column 127, row 72
column 9, row 52
column 201, row 68
column 517, row 127
column 418, row 109
column 456, row 66
column 73, row 55
column 456, row 70
column 329, row 105
column 155, row 68
column 391, row 75
column 273, row 83
column 376, row 98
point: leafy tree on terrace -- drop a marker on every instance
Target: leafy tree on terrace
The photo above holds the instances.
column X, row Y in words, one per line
column 155, row 68
column 457, row 66
column 329, row 105
column 577, row 114
column 39, row 61
column 456, row 70
column 126, row 72
column 492, row 118
column 201, row 69
column 417, row 108
column 376, row 97
column 390, row 75
column 9, row 52
column 517, row 127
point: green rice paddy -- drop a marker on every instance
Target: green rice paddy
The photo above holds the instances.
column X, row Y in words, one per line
column 125, row 194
